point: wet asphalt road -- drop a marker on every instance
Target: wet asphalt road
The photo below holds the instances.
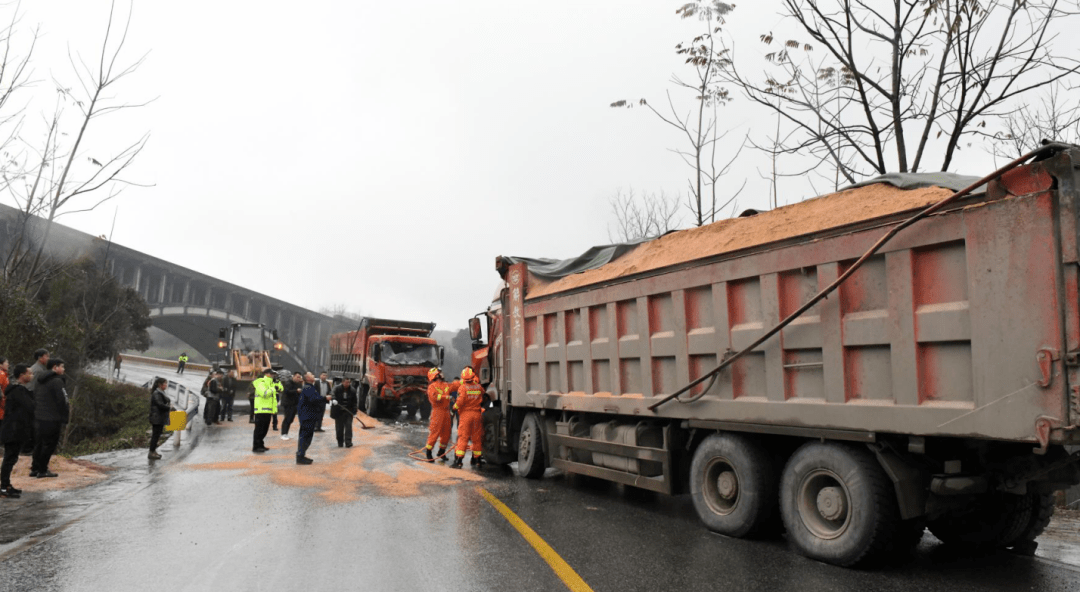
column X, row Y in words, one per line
column 177, row 525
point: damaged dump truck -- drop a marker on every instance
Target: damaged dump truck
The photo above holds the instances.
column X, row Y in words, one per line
column 853, row 368
column 389, row 359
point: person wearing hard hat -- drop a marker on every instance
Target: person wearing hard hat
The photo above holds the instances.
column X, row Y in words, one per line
column 264, row 407
column 440, row 422
column 470, row 407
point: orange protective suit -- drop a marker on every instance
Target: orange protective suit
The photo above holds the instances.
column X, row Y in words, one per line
column 470, row 408
column 438, row 393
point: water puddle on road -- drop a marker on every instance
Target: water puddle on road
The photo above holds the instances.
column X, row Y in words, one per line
column 377, row 464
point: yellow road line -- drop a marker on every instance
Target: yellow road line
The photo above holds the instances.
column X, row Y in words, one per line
column 560, row 567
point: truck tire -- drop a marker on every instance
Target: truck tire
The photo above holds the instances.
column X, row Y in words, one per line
column 838, row 505
column 425, row 410
column 491, row 421
column 733, row 483
column 371, row 403
column 410, row 410
column 997, row 520
column 531, row 459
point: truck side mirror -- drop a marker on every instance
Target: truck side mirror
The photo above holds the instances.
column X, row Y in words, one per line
column 273, row 334
column 474, row 329
column 442, row 354
column 221, row 333
column 375, row 353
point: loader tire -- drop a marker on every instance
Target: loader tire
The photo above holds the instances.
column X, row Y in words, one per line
column 734, row 485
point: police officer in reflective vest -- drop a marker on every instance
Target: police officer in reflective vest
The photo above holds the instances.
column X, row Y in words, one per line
column 265, row 407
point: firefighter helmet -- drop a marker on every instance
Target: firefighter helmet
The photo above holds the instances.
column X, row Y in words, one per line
column 467, row 374
column 433, row 374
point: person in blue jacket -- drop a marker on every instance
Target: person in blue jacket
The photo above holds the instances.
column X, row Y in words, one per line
column 310, row 413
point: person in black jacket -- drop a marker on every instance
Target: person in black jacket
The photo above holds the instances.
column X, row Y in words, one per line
column 17, row 427
column 343, row 409
column 159, row 415
column 228, row 395
column 51, row 412
column 213, row 398
column 290, row 398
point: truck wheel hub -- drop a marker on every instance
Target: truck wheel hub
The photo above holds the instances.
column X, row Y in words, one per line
column 830, row 503
column 727, row 485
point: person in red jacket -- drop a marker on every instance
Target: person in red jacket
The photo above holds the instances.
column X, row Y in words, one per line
column 470, row 407
column 440, row 423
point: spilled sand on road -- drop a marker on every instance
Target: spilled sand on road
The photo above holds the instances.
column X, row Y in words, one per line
column 72, row 473
column 354, row 472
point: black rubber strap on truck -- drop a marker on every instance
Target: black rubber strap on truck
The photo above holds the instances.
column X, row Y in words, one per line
column 1054, row 146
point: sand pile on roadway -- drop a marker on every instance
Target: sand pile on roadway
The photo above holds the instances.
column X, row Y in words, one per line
column 71, row 474
column 726, row 236
column 354, row 472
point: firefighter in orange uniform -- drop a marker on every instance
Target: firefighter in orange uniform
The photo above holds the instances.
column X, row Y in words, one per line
column 470, row 407
column 438, row 393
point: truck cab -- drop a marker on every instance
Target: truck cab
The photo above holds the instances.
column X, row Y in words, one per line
column 389, row 359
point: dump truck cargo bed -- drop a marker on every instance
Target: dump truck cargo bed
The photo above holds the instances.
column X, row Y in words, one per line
column 965, row 324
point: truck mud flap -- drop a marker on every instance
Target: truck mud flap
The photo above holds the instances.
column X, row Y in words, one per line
column 662, row 483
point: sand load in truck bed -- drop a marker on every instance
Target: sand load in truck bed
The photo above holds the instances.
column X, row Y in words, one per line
column 726, row 236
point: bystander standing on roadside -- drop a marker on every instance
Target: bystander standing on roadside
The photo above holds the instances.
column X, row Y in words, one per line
column 326, row 389
column 213, row 398
column 160, row 406
column 290, row 398
column 3, row 386
column 19, row 411
column 310, row 412
column 181, row 362
column 228, row 395
column 116, row 364
column 51, row 412
column 343, row 412
column 38, row 369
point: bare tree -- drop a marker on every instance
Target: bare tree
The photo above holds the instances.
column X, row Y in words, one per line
column 58, row 176
column 875, row 86
column 699, row 125
column 1051, row 117
column 646, row 216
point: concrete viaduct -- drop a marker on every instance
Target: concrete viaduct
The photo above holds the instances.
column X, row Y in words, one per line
column 191, row 305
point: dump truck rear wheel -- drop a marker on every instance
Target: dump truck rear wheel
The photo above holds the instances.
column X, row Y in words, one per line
column 838, row 505
column 733, row 483
column 997, row 520
column 531, row 459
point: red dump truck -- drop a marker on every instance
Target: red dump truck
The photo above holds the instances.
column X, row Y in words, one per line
column 937, row 386
column 389, row 359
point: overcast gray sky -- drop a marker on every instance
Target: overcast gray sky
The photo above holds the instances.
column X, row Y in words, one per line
column 380, row 155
